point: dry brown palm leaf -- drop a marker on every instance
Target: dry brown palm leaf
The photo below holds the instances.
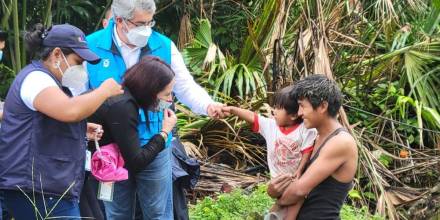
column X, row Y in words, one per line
column 355, row 6
column 192, row 150
column 385, row 207
column 354, row 42
column 215, row 177
column 185, row 32
column 401, row 195
column 335, row 17
column 420, row 166
column 322, row 61
column 304, row 42
column 279, row 28
column 228, row 140
column 385, row 10
column 425, row 207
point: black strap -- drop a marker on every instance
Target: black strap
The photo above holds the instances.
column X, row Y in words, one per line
column 334, row 133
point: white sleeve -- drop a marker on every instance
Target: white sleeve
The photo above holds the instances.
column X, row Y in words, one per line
column 308, row 138
column 186, row 89
column 32, row 85
column 264, row 126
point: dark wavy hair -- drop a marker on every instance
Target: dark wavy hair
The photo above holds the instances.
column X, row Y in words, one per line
column 317, row 89
column 146, row 79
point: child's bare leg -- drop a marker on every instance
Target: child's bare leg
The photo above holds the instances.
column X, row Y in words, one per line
column 275, row 208
column 293, row 210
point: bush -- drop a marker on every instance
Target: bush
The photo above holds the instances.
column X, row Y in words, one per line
column 241, row 205
column 234, row 205
column 6, row 77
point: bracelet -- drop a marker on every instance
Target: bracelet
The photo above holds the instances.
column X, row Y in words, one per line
column 164, row 135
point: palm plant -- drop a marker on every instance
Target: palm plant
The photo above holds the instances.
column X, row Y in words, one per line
column 66, row 10
column 243, row 75
column 326, row 32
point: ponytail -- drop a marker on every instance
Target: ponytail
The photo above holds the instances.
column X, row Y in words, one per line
column 34, row 42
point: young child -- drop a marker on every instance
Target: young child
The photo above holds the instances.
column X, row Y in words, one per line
column 289, row 143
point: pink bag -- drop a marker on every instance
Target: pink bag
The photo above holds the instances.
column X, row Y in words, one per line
column 108, row 164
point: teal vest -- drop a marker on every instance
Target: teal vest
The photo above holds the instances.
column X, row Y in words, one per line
column 112, row 66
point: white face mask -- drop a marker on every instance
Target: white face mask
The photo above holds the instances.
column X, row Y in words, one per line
column 162, row 105
column 75, row 78
column 138, row 36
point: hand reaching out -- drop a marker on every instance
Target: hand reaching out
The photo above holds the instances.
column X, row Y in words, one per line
column 215, row 110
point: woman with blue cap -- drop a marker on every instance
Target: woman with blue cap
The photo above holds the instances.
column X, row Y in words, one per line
column 43, row 132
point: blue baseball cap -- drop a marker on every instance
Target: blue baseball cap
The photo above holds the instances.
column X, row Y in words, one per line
column 68, row 36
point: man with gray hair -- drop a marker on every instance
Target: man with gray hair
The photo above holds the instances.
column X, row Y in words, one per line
column 128, row 37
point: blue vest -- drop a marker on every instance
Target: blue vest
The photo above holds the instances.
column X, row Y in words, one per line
column 31, row 142
column 112, row 66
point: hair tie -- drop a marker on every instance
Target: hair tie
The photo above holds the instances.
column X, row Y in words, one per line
column 45, row 32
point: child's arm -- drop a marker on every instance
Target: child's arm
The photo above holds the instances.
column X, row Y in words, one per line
column 244, row 114
column 305, row 157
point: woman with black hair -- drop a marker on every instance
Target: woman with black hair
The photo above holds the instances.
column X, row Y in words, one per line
column 148, row 89
column 43, row 132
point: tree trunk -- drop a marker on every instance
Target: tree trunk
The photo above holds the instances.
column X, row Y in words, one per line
column 17, row 66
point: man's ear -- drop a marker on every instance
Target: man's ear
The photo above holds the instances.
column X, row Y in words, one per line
column 118, row 20
column 323, row 107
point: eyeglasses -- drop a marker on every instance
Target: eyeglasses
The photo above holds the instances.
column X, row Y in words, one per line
column 140, row 24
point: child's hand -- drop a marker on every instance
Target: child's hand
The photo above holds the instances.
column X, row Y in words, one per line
column 94, row 131
column 215, row 110
column 278, row 184
column 297, row 174
column 227, row 110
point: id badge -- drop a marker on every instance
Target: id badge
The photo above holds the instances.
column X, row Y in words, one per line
column 88, row 165
column 105, row 191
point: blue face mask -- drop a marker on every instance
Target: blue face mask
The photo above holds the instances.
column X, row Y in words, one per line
column 162, row 105
column 1, row 55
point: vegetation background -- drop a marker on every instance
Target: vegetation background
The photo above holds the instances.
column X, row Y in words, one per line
column 384, row 54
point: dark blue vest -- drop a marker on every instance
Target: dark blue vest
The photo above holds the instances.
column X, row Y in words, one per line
column 34, row 146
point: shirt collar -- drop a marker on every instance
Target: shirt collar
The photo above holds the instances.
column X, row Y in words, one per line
column 120, row 43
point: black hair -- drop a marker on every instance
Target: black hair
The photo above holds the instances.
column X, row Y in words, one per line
column 34, row 43
column 146, row 79
column 317, row 89
column 283, row 99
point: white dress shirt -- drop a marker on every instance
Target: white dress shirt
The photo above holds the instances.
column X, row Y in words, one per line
column 186, row 89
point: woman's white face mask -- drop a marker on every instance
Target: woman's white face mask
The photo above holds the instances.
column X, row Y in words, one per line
column 162, row 105
column 74, row 77
column 138, row 36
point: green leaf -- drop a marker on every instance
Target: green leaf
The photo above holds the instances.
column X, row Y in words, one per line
column 354, row 194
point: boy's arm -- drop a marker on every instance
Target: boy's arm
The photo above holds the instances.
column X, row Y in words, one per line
column 305, row 157
column 244, row 114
